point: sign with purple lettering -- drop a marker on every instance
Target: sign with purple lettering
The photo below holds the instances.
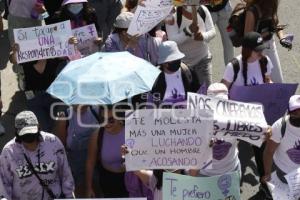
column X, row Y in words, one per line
column 233, row 119
column 275, row 97
column 86, row 36
column 44, row 42
column 181, row 187
column 168, row 139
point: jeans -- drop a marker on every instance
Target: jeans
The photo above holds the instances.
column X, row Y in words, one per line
column 221, row 18
column 271, row 52
column 203, row 70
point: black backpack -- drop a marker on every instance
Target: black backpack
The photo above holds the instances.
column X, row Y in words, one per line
column 236, row 23
column 283, row 125
column 236, row 68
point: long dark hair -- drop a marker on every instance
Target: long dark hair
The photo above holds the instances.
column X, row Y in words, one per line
column 268, row 9
column 246, row 53
column 87, row 13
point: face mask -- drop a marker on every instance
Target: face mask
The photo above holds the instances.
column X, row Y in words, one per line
column 174, row 65
column 75, row 8
column 295, row 121
column 30, row 138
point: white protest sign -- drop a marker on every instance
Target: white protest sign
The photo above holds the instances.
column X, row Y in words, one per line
column 168, row 139
column 279, row 190
column 293, row 180
column 157, row 3
column 86, row 37
column 146, row 18
column 44, row 42
column 233, row 119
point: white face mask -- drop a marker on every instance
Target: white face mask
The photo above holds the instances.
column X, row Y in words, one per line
column 75, row 8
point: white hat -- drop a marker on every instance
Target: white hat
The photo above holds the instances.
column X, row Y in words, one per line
column 218, row 90
column 168, row 51
column 123, row 20
column 294, row 102
column 26, row 123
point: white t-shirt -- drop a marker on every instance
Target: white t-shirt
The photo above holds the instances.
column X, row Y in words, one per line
column 225, row 158
column 254, row 72
column 175, row 89
column 287, row 155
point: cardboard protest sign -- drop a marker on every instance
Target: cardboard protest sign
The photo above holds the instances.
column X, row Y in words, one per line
column 148, row 16
column 44, row 42
column 233, row 119
column 274, row 97
column 279, row 190
column 293, row 180
column 168, row 139
column 86, row 37
column 181, row 187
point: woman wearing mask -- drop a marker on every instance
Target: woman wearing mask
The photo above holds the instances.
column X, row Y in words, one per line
column 80, row 14
column 261, row 16
column 104, row 153
column 176, row 79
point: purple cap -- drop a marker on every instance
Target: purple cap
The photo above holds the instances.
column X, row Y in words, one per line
column 65, row 2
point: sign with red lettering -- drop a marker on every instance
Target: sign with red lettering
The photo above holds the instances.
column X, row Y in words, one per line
column 44, row 42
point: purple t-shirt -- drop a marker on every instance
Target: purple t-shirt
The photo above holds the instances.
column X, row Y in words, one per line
column 111, row 150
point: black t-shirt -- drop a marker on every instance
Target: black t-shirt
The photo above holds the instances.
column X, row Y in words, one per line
column 40, row 82
column 217, row 7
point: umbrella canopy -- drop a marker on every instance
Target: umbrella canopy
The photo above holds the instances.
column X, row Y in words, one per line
column 103, row 78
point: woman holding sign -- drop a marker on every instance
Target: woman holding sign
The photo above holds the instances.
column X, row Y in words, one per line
column 104, row 152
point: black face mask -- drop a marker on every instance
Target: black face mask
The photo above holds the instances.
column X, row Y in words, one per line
column 295, row 121
column 174, row 65
column 29, row 138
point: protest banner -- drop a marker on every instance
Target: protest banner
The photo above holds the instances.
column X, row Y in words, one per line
column 148, row 16
column 233, row 119
column 168, row 139
column 44, row 42
column 279, row 190
column 274, row 97
column 293, row 180
column 181, row 187
column 86, row 37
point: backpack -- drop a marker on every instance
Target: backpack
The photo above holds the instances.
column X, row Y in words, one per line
column 236, row 23
column 236, row 67
column 283, row 125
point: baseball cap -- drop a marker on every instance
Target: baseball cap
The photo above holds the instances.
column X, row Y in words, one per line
column 218, row 90
column 65, row 2
column 26, row 123
column 253, row 41
column 123, row 20
column 168, row 51
column 294, row 102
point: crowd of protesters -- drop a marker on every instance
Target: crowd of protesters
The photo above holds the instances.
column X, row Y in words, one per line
column 59, row 158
